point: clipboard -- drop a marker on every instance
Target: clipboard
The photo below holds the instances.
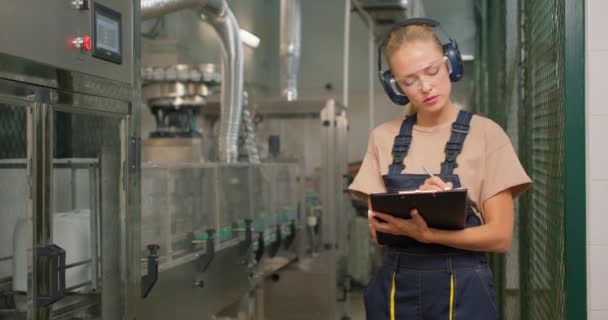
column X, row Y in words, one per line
column 446, row 209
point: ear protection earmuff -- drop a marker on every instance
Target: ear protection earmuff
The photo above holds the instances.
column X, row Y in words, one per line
column 450, row 51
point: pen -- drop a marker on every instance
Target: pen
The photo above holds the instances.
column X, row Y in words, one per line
column 431, row 175
column 427, row 171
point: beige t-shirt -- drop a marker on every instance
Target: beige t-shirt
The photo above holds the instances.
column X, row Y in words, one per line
column 487, row 164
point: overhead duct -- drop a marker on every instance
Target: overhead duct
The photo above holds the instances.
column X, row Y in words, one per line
column 220, row 17
column 291, row 30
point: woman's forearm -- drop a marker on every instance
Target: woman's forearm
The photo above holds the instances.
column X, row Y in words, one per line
column 482, row 238
column 493, row 236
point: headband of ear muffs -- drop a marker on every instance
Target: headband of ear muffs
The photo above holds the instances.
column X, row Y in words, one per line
column 450, row 51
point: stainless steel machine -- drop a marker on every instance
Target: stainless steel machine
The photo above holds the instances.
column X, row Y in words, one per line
column 222, row 227
column 314, row 132
column 69, row 219
column 74, row 240
column 214, row 223
column 223, row 221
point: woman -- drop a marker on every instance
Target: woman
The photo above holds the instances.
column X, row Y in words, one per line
column 437, row 274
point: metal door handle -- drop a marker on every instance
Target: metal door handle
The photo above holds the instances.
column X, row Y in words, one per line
column 148, row 281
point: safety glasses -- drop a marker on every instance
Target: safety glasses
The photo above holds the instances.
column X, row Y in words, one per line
column 414, row 80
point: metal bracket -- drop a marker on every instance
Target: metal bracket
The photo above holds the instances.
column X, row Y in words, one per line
column 134, row 154
column 274, row 247
column 204, row 260
column 245, row 245
column 260, row 249
column 289, row 239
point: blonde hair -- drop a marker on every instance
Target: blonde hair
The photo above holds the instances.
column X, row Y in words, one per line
column 400, row 37
column 409, row 110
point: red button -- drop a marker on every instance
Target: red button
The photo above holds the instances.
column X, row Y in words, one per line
column 86, row 43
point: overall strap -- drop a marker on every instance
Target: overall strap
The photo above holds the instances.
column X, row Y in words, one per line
column 401, row 146
column 460, row 129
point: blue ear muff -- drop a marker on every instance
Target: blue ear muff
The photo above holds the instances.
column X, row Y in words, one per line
column 450, row 50
column 393, row 92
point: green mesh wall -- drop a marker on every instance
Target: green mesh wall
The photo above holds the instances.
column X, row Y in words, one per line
column 519, row 84
column 542, row 142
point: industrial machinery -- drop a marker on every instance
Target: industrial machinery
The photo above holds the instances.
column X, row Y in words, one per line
column 222, row 227
column 175, row 95
column 230, row 226
column 291, row 205
column 225, row 227
column 223, row 222
column 68, row 146
column 214, row 222
column 313, row 132
column 201, row 211
column 82, row 205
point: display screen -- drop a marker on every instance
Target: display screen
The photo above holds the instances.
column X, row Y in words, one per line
column 108, row 33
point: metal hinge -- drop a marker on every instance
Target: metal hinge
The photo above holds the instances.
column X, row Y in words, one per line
column 134, row 154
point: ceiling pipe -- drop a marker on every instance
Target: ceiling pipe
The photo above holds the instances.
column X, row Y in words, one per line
column 291, row 30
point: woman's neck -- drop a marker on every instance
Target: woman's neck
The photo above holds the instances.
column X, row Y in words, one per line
column 447, row 114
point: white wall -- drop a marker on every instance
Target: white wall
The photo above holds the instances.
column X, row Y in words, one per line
column 597, row 158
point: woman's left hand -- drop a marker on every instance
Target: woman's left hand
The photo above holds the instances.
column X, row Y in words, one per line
column 415, row 227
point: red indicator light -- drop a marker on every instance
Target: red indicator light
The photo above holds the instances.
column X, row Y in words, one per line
column 86, row 43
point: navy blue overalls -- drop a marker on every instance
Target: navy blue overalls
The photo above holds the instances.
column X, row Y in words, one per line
column 430, row 281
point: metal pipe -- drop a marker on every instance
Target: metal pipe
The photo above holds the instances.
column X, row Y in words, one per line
column 291, row 30
column 80, row 285
column 155, row 8
column 250, row 136
column 220, row 17
column 417, row 9
column 372, row 71
column 346, row 52
column 80, row 263
column 227, row 28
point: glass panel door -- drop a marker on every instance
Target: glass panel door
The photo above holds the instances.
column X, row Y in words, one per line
column 88, row 208
column 15, row 214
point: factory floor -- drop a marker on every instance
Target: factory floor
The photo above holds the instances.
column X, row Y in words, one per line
column 356, row 308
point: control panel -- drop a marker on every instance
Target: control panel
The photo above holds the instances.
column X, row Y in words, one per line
column 93, row 37
column 107, row 34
